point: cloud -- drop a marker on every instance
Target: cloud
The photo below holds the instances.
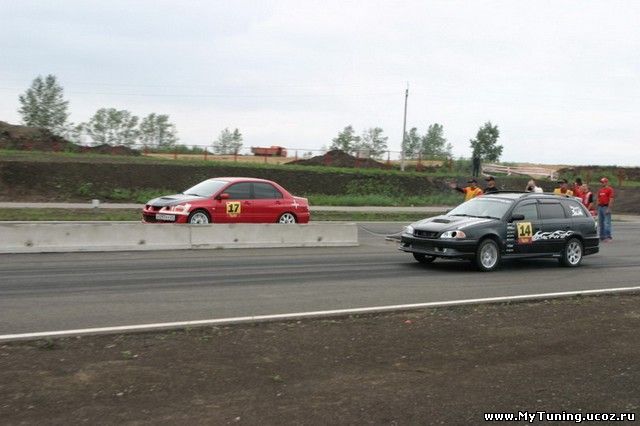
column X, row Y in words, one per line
column 559, row 78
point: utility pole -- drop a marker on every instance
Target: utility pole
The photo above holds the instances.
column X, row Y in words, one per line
column 404, row 129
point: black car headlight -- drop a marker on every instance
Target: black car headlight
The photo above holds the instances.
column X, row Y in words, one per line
column 457, row 234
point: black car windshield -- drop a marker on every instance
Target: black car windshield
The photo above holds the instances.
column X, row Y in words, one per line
column 206, row 188
column 485, row 207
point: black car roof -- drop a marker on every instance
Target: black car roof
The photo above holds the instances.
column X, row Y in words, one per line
column 515, row 195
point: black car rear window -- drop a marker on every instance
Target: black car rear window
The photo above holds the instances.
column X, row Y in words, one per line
column 552, row 211
column 574, row 209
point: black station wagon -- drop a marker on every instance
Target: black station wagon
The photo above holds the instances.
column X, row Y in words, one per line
column 506, row 225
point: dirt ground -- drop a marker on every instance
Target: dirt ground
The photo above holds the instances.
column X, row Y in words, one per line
column 446, row 365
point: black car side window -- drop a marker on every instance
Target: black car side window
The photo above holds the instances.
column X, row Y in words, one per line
column 239, row 191
column 530, row 211
column 552, row 211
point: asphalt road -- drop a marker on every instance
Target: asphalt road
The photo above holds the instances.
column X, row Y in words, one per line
column 50, row 292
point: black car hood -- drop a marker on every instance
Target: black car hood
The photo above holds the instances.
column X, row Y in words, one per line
column 172, row 200
column 448, row 223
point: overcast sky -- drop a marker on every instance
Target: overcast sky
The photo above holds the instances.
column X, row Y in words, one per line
column 561, row 79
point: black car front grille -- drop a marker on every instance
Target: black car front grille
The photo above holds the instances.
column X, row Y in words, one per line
column 424, row 234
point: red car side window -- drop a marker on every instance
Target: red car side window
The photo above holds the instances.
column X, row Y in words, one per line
column 265, row 191
column 239, row 191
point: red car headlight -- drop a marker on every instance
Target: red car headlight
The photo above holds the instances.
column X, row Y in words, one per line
column 180, row 208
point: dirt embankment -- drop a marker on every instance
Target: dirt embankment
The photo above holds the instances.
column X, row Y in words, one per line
column 434, row 366
column 25, row 138
column 339, row 158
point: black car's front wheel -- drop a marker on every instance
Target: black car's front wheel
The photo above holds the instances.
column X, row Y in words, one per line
column 572, row 253
column 423, row 258
column 488, row 255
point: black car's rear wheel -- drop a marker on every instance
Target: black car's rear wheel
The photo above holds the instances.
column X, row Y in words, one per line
column 572, row 253
column 488, row 255
column 423, row 258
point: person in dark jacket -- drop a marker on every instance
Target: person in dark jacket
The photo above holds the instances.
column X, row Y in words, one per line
column 491, row 185
column 476, row 166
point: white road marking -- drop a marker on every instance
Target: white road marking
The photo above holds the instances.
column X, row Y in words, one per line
column 301, row 315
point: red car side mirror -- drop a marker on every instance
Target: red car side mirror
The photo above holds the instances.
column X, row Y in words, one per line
column 223, row 196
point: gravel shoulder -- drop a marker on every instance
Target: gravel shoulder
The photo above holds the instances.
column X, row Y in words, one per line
column 445, row 365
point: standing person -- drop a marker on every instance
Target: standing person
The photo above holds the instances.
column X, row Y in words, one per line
column 470, row 191
column 577, row 188
column 563, row 189
column 491, row 185
column 476, row 165
column 532, row 187
column 587, row 200
column 605, row 203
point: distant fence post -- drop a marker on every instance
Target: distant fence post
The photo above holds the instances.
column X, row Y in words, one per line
column 388, row 159
column 357, row 162
column 175, row 152
column 206, row 153
column 419, row 166
column 621, row 177
column 296, row 157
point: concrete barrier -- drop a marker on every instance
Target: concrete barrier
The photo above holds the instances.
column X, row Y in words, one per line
column 39, row 237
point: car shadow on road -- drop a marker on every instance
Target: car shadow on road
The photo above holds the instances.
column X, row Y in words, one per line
column 457, row 266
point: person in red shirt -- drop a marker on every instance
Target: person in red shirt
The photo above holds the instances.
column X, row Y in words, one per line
column 605, row 204
column 588, row 200
column 577, row 188
column 471, row 191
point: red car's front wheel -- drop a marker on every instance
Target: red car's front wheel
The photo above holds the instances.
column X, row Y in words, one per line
column 199, row 217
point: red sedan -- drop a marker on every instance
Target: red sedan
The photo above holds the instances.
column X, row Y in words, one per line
column 229, row 200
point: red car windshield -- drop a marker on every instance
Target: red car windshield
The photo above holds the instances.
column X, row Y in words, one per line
column 206, row 188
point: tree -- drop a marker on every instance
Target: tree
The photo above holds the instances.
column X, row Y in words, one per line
column 228, row 142
column 157, row 131
column 346, row 140
column 434, row 144
column 412, row 144
column 485, row 145
column 73, row 132
column 112, row 127
column 237, row 141
column 43, row 105
column 373, row 143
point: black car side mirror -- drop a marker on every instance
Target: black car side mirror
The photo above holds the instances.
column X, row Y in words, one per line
column 515, row 217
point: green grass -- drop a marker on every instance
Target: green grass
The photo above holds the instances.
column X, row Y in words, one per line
column 135, row 215
column 368, row 216
column 444, row 199
column 70, row 214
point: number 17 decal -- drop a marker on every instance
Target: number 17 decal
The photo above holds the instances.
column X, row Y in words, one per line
column 525, row 232
column 233, row 208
